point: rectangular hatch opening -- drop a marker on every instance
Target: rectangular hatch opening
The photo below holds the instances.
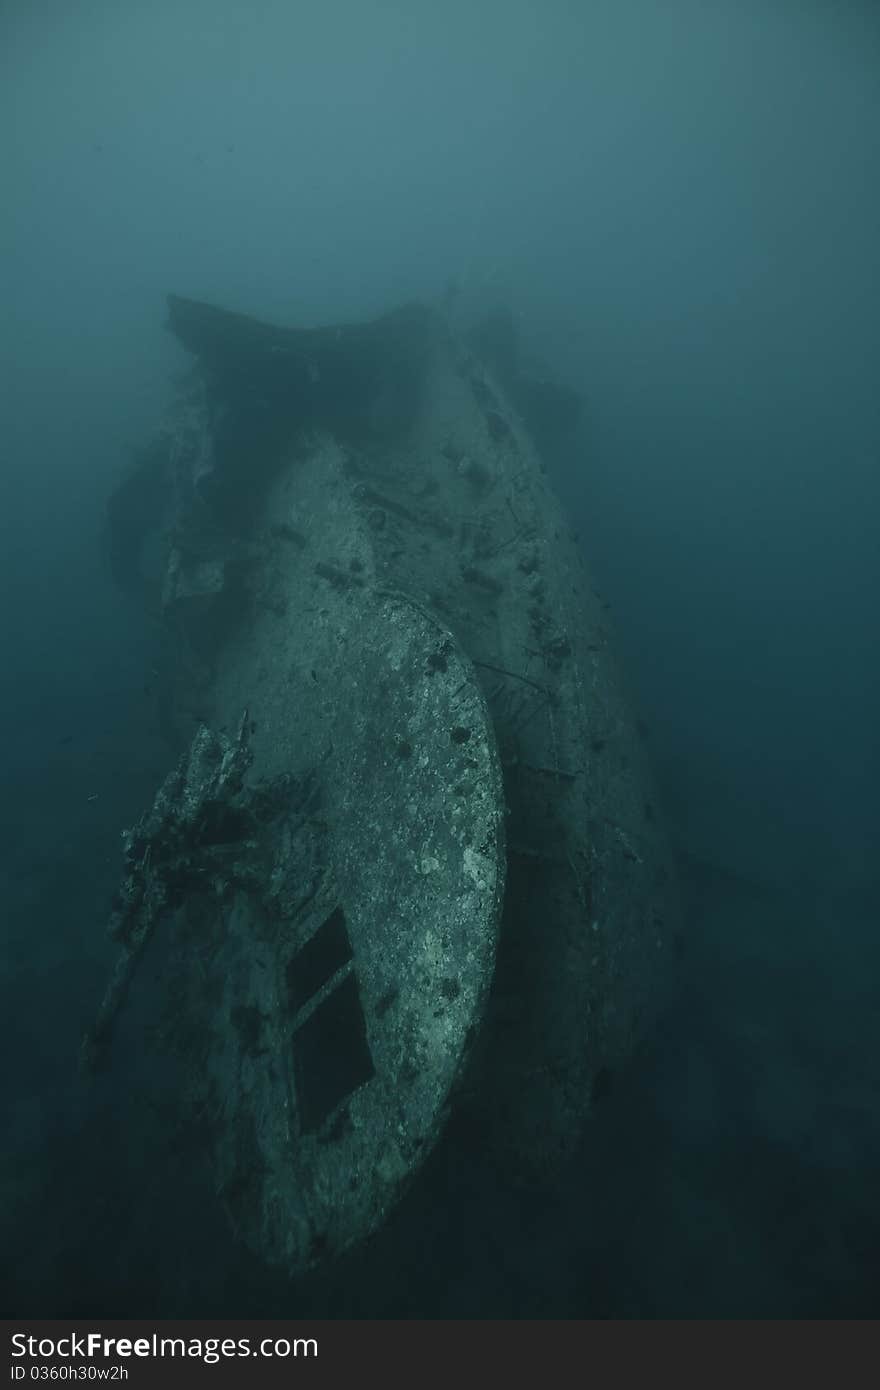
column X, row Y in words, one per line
column 331, row 1054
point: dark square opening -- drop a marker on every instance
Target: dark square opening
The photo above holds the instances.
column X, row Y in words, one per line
column 331, row 1054
column 323, row 954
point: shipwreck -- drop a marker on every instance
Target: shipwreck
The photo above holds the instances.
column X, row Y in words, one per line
column 407, row 853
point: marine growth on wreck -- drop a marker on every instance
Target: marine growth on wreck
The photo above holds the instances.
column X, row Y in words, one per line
column 406, row 856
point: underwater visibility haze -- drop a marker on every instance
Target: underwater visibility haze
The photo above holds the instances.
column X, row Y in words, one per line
column 441, row 496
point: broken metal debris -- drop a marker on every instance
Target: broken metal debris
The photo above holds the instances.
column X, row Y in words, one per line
column 186, row 839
